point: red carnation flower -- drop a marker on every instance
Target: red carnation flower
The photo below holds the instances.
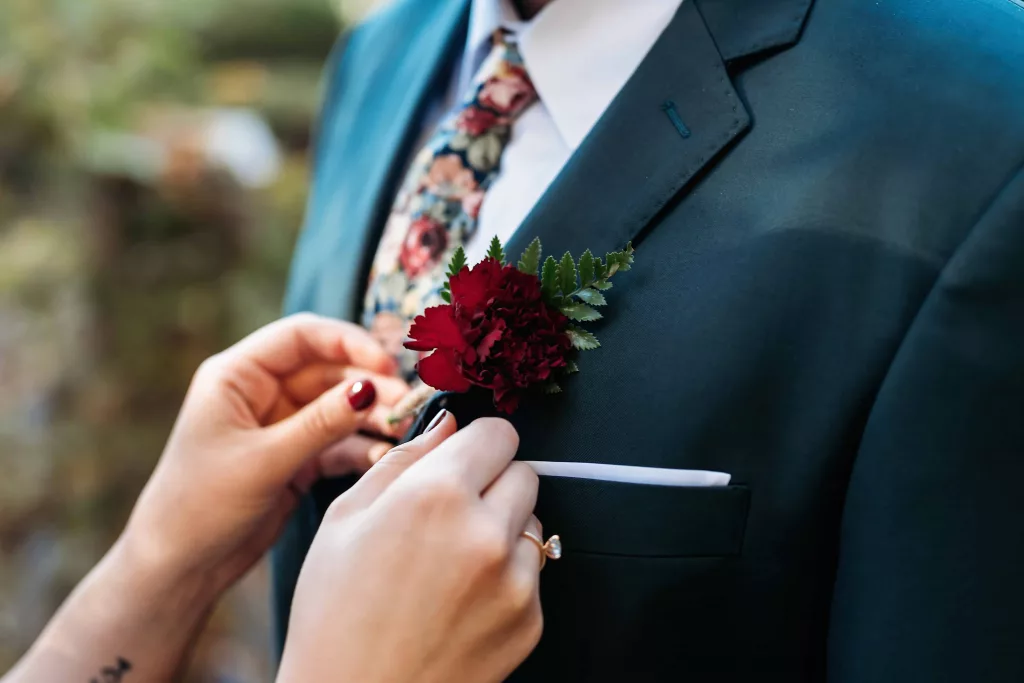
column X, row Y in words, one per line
column 423, row 246
column 498, row 333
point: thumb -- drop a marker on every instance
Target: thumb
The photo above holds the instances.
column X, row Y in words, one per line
column 398, row 460
column 331, row 417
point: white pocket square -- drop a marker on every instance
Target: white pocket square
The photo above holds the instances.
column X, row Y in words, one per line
column 628, row 474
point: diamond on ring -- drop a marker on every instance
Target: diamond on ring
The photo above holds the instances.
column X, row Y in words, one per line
column 553, row 547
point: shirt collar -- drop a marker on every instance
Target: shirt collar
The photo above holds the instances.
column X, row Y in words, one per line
column 579, row 53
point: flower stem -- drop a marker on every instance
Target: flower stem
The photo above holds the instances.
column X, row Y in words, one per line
column 411, row 404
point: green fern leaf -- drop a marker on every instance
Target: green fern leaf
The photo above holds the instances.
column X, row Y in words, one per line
column 458, row 262
column 581, row 339
column 531, row 258
column 592, row 297
column 549, row 278
column 567, row 275
column 586, row 268
column 495, row 251
column 581, row 312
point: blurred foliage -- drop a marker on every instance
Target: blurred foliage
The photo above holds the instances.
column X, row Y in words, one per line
column 68, row 66
column 126, row 257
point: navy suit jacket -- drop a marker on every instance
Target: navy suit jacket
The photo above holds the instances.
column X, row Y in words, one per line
column 827, row 302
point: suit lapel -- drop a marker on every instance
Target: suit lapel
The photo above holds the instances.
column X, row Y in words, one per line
column 389, row 72
column 744, row 28
column 671, row 123
column 671, row 120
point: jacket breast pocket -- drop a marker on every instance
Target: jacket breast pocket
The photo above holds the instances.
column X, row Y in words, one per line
column 645, row 583
column 614, row 518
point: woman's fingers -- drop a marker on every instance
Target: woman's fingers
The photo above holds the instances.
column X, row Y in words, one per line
column 398, row 460
column 378, row 421
column 477, row 454
column 283, row 408
column 335, row 415
column 527, row 561
column 284, row 346
column 512, row 497
column 357, row 453
column 375, row 421
column 309, row 382
column 530, row 561
column 534, row 526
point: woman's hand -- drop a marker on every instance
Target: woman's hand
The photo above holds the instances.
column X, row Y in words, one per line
column 420, row 573
column 260, row 423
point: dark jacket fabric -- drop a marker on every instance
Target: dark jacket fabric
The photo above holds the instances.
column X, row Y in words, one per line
column 827, row 303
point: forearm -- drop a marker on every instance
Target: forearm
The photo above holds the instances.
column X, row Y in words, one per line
column 129, row 620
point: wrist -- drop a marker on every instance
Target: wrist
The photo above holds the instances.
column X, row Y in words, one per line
column 165, row 582
column 128, row 608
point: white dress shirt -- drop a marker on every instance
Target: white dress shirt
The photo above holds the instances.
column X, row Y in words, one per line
column 579, row 54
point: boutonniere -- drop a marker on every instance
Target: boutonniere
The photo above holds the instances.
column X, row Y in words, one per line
column 513, row 329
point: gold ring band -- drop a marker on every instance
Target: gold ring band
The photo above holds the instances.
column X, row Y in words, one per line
column 551, row 548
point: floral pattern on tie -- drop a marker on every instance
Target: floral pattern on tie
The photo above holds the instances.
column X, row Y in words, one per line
column 438, row 205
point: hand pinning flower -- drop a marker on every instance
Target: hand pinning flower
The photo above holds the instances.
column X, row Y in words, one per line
column 505, row 329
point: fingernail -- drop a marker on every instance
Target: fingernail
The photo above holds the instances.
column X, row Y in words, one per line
column 438, row 419
column 361, row 395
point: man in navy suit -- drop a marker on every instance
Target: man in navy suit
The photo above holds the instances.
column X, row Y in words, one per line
column 827, row 202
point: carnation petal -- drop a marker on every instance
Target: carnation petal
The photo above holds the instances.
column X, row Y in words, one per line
column 483, row 348
column 435, row 329
column 506, row 401
column 472, row 287
column 440, row 371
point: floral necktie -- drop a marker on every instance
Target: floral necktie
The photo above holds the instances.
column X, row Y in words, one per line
column 439, row 201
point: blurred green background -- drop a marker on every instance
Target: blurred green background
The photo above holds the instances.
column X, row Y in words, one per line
column 153, row 172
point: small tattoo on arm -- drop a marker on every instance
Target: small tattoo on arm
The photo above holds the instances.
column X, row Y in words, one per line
column 113, row 674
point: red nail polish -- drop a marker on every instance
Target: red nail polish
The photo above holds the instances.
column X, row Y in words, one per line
column 361, row 395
